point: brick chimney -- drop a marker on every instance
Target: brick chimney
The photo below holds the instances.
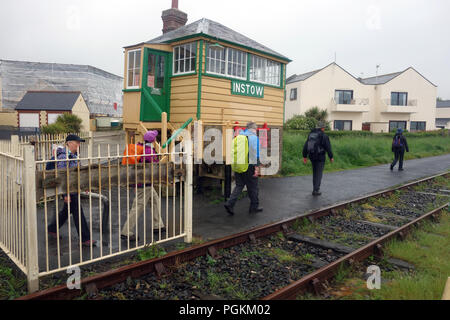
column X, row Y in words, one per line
column 173, row 18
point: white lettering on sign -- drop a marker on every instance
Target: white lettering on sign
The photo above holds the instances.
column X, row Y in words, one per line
column 247, row 89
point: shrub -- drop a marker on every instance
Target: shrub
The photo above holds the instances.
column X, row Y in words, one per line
column 319, row 115
column 70, row 121
column 65, row 123
column 300, row 122
column 54, row 128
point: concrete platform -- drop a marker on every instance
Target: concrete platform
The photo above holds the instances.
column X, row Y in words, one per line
column 283, row 198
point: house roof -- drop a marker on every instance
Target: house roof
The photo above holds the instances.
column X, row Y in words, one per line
column 443, row 104
column 304, row 76
column 48, row 100
column 301, row 77
column 215, row 31
column 381, row 79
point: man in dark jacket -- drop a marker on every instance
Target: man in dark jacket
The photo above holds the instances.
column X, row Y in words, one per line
column 399, row 145
column 315, row 148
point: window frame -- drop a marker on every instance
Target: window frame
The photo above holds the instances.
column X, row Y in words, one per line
column 227, row 63
column 397, row 121
column 134, row 68
column 280, row 69
column 290, row 94
column 174, row 60
column 398, row 98
column 418, row 122
column 343, row 125
column 343, row 91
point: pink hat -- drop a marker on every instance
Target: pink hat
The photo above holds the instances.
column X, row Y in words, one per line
column 150, row 136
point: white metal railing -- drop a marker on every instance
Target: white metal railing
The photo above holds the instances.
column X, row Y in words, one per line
column 12, row 204
column 105, row 197
column 409, row 103
column 359, row 102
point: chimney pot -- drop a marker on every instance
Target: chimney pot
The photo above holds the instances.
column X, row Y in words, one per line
column 174, row 4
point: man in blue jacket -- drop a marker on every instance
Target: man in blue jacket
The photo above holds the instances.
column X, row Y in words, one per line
column 248, row 178
column 71, row 203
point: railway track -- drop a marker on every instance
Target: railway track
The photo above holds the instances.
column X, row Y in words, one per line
column 276, row 261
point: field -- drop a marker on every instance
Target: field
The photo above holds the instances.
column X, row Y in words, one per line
column 356, row 150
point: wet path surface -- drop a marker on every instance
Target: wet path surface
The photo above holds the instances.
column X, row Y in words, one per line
column 287, row 197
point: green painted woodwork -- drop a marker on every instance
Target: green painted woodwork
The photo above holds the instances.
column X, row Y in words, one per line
column 155, row 90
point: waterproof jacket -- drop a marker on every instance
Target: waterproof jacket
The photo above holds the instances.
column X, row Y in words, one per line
column 324, row 143
column 253, row 146
column 403, row 141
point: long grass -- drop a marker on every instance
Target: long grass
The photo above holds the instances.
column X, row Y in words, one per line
column 352, row 152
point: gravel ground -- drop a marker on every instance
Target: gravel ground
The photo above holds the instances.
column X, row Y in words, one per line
column 247, row 271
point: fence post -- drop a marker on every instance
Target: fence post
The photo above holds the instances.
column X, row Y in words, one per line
column 15, row 145
column 188, row 191
column 90, row 144
column 32, row 262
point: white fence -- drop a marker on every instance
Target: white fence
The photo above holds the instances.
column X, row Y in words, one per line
column 116, row 204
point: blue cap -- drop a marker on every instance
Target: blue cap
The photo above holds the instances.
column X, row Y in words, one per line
column 399, row 130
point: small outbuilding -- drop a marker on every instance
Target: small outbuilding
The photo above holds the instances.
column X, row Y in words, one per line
column 39, row 108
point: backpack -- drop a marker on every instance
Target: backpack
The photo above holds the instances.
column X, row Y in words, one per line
column 314, row 145
column 397, row 143
column 133, row 149
column 239, row 154
column 50, row 165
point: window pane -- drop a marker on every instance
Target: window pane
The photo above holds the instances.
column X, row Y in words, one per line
column 394, row 99
column 347, row 125
column 182, row 65
column 402, row 99
column 193, row 62
column 160, row 74
column 130, row 60
column 130, row 78
column 137, row 60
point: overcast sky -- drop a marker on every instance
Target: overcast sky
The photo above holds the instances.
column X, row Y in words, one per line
column 395, row 34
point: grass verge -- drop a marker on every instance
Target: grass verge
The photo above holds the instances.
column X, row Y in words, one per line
column 351, row 152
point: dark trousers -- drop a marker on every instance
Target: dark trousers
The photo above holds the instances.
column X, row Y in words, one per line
column 317, row 174
column 245, row 179
column 63, row 215
column 398, row 156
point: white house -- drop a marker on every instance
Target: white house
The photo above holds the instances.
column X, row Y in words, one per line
column 403, row 99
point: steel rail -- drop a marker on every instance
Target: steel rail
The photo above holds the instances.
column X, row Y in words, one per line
column 176, row 258
column 312, row 282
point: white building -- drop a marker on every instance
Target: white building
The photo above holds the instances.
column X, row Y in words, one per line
column 443, row 114
column 403, row 99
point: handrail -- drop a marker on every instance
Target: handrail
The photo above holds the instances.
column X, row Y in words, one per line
column 174, row 136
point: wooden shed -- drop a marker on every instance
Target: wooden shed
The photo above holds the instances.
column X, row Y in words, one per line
column 204, row 71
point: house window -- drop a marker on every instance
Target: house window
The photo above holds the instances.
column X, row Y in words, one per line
column 418, row 126
column 394, row 125
column 134, row 68
column 185, row 58
column 293, row 94
column 265, row 70
column 343, row 125
column 343, row 96
column 226, row 61
column 399, row 98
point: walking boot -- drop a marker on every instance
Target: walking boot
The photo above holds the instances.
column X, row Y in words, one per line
column 229, row 209
column 255, row 210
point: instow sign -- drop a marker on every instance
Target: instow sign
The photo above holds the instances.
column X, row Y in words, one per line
column 247, row 89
